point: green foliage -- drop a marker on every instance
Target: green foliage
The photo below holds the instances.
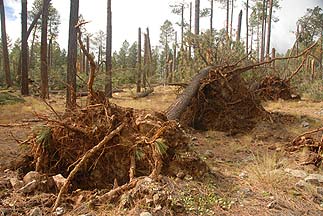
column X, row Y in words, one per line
column 161, row 146
column 9, row 98
column 44, row 136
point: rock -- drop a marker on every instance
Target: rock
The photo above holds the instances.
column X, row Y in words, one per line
column 59, row 211
column 36, row 212
column 16, row 184
column 272, row 204
column 305, row 124
column 32, row 175
column 301, row 184
column 296, row 173
column 314, row 179
column 243, row 175
column 209, row 154
column 29, row 188
column 59, row 181
column 145, row 214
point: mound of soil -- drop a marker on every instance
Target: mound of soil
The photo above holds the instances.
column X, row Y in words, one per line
column 222, row 102
column 274, row 88
column 145, row 144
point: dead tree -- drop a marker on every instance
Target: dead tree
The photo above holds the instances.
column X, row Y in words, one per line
column 24, row 49
column 239, row 26
column 108, row 58
column 139, row 62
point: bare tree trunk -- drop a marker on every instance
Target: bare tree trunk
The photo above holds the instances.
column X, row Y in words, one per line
column 251, row 39
column 262, row 31
column 231, row 21
column 108, row 87
column 197, row 17
column 227, row 21
column 72, row 56
column 87, row 65
column 190, row 31
column 144, row 73
column 139, row 62
column 44, row 92
column 297, row 41
column 182, row 26
column 269, row 27
column 31, row 58
column 239, row 26
column 273, row 56
column 313, row 69
column 6, row 64
column 150, row 55
column 258, row 42
column 211, row 17
column 175, row 56
column 24, row 49
column 247, row 27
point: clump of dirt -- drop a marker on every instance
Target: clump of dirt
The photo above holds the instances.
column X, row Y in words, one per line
column 274, row 88
column 223, row 103
column 145, row 144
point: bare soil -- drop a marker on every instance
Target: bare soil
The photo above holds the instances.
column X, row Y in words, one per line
column 247, row 170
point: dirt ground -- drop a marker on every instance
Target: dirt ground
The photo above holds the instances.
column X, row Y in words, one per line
column 250, row 176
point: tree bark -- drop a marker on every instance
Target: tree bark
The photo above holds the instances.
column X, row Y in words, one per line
column 108, row 60
column 175, row 57
column 263, row 21
column 197, row 17
column 269, row 27
column 179, row 106
column 190, row 31
column 87, row 62
column 211, row 17
column 24, row 49
column 231, row 21
column 72, row 56
column 182, row 26
column 227, row 20
column 6, row 64
column 239, row 26
column 139, row 62
column 144, row 72
column 273, row 56
column 247, row 27
column 44, row 91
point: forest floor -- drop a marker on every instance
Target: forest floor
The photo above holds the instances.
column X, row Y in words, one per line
column 254, row 173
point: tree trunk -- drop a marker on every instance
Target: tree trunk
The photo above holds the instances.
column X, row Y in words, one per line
column 211, row 17
column 31, row 64
column 49, row 55
column 177, row 108
column 239, row 26
column 108, row 87
column 297, row 41
column 150, row 55
column 273, row 56
column 6, row 64
column 227, row 21
column 44, row 91
column 24, row 49
column 182, row 26
column 72, row 56
column 197, row 17
column 139, row 62
column 247, row 27
column 175, row 56
column 251, row 39
column 144, row 72
column 263, row 29
column 87, row 62
column 269, row 27
column 190, row 31
column 231, row 21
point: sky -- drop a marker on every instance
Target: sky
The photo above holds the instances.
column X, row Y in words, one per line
column 128, row 15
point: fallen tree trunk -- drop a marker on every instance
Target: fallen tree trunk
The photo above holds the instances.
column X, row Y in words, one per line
column 144, row 94
column 182, row 102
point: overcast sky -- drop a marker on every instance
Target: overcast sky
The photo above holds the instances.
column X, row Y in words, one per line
column 128, row 15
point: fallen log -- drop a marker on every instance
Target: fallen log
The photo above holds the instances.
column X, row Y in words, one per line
column 144, row 94
column 181, row 103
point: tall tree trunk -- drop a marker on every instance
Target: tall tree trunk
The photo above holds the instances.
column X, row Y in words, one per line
column 6, row 64
column 227, row 20
column 258, row 42
column 211, row 17
column 43, row 52
column 297, row 41
column 24, row 49
column 87, row 62
column 247, row 27
column 150, row 55
column 273, row 56
column 190, row 31
column 231, row 21
column 108, row 87
column 139, row 62
column 262, row 48
column 269, row 27
column 31, row 64
column 175, row 56
column 144, row 73
column 251, row 39
column 72, row 56
column 50, row 54
column 182, row 26
column 197, row 17
column 239, row 26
